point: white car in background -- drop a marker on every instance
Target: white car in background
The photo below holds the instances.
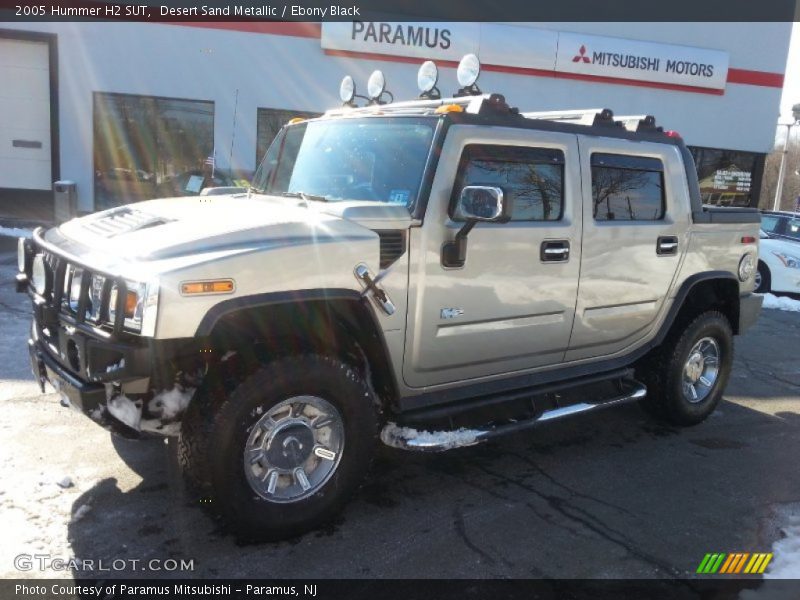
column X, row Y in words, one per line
column 779, row 253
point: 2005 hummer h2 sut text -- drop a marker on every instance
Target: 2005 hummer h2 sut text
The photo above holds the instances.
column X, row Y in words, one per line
column 431, row 273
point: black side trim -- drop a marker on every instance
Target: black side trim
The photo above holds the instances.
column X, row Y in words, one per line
column 269, row 299
column 724, row 214
column 535, row 380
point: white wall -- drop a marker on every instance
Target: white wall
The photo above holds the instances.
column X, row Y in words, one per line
column 290, row 72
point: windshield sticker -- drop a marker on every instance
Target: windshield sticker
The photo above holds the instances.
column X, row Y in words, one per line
column 399, row 197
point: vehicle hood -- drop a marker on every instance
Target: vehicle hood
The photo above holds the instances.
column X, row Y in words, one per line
column 176, row 227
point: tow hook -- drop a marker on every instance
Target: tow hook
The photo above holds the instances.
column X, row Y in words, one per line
column 371, row 289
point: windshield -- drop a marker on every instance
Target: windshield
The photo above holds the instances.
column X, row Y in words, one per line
column 379, row 159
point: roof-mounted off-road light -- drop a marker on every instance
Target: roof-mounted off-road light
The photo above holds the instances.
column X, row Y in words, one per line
column 469, row 69
column 376, row 86
column 347, row 90
column 427, row 77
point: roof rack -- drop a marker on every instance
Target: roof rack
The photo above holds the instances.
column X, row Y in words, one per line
column 589, row 116
column 640, row 124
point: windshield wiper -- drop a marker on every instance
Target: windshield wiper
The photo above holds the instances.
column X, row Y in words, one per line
column 304, row 196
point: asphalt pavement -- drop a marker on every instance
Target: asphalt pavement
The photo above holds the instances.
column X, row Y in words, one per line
column 611, row 495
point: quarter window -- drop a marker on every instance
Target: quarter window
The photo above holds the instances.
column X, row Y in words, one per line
column 532, row 179
column 627, row 188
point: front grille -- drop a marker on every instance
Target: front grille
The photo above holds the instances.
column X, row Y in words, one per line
column 89, row 304
column 393, row 246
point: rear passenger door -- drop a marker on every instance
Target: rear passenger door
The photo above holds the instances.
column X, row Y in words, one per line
column 635, row 215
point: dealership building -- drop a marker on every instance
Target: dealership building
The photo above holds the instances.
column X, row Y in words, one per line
column 134, row 110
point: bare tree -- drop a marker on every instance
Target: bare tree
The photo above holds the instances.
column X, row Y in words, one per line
column 791, row 181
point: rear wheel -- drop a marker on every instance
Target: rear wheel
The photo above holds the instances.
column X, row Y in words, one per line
column 763, row 280
column 287, row 447
column 686, row 378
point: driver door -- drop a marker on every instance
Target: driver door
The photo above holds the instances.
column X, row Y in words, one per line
column 511, row 306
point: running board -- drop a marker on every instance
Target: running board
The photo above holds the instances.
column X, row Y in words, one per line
column 407, row 438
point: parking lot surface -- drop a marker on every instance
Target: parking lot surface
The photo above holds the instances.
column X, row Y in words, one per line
column 612, row 495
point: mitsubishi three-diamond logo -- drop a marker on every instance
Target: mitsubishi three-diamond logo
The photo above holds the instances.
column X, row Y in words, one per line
column 581, row 56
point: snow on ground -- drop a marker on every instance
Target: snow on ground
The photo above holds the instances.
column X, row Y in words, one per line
column 781, row 303
column 441, row 440
column 15, row 232
column 786, row 560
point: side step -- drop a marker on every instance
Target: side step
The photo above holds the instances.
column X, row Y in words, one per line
column 407, row 438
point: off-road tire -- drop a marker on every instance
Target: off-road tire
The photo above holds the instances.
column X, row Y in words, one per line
column 766, row 279
column 663, row 370
column 214, row 438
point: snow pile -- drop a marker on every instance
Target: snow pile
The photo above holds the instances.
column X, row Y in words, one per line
column 394, row 436
column 15, row 232
column 781, row 303
column 124, row 409
column 168, row 404
column 786, row 560
column 65, row 483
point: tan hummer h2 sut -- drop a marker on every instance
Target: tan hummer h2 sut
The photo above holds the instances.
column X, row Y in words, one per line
column 431, row 273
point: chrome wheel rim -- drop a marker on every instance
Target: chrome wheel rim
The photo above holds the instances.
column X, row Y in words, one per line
column 701, row 370
column 294, row 449
column 758, row 279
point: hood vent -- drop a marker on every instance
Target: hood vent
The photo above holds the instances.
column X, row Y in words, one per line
column 123, row 220
column 393, row 246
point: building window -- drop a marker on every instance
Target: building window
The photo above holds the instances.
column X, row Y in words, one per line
column 270, row 121
column 146, row 147
column 627, row 188
column 532, row 179
column 728, row 177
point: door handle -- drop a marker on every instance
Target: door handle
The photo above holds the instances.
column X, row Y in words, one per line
column 667, row 245
column 554, row 251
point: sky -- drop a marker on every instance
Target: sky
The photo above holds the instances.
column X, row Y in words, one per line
column 791, row 82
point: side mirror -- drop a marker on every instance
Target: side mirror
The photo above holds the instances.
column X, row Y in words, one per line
column 481, row 203
column 476, row 203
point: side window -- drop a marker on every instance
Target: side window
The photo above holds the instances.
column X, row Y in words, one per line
column 627, row 188
column 532, row 179
column 769, row 223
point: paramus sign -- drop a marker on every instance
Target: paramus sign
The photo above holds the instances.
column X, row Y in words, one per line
column 540, row 49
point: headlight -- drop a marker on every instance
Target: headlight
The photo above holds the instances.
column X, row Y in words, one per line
column 746, row 267
column 789, row 260
column 95, row 297
column 39, row 275
column 140, row 306
column 74, row 288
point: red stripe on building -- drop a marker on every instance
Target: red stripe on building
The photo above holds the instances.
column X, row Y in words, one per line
column 289, row 28
column 314, row 30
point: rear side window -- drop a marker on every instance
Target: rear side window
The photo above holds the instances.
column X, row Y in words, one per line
column 627, row 188
column 532, row 179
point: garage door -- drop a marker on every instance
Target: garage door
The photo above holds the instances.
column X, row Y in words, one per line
column 24, row 115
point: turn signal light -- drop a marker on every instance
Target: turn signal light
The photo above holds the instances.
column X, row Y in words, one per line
column 748, row 239
column 448, row 108
column 217, row 286
column 131, row 298
column 296, row 120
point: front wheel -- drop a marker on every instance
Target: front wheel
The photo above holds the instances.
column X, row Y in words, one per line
column 289, row 445
column 685, row 381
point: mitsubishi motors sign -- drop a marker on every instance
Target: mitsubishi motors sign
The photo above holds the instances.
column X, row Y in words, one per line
column 519, row 47
column 600, row 56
